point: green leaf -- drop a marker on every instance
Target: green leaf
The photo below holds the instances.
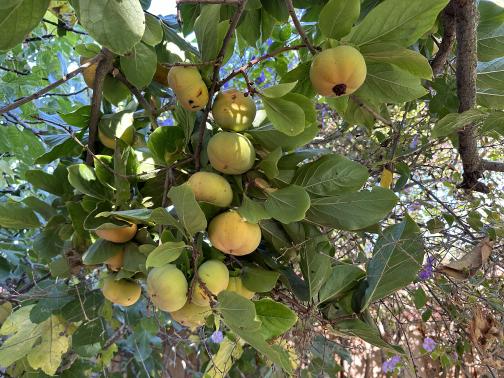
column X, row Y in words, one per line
column 331, row 175
column 83, row 178
column 185, row 120
column 491, row 74
column 454, row 121
column 275, row 317
column 115, row 91
column 358, row 328
column 121, row 184
column 100, row 251
column 252, row 211
column 18, row 19
column 88, row 333
column 397, row 258
column 139, row 65
column 419, row 298
column 278, row 90
column 48, row 244
column 343, row 278
column 166, row 143
column 206, row 30
column 21, row 143
column 165, row 253
column 315, row 263
column 259, row 280
column 397, row 21
column 55, row 183
column 408, row 60
column 269, row 164
column 301, row 74
column 277, row 9
column 120, row 25
column 250, row 26
column 188, row 211
column 288, row 204
column 490, row 31
column 237, row 311
column 337, row 17
column 306, row 104
column 490, row 98
column 352, row 211
column 389, row 83
column 286, row 116
column 16, row 215
column 494, row 122
column 270, row 138
column 153, row 30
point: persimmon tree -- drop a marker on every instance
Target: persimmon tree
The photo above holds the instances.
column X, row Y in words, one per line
column 250, row 187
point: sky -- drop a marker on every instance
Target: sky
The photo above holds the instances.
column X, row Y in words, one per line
column 163, row 7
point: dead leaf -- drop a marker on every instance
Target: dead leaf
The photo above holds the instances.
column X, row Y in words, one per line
column 484, row 330
column 467, row 266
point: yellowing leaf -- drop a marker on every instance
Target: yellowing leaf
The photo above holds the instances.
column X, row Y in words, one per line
column 386, row 178
column 55, row 334
column 5, row 311
column 222, row 362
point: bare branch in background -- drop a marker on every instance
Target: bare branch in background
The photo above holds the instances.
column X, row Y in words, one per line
column 445, row 47
column 299, row 27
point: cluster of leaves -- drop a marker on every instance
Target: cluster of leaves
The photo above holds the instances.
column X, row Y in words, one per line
column 60, row 203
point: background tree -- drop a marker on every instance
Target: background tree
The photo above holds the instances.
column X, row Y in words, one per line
column 365, row 223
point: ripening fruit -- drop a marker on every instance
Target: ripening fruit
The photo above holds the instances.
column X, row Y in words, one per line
column 230, row 153
column 116, row 262
column 118, row 235
column 215, row 275
column 167, row 288
column 127, row 137
column 189, row 87
column 236, row 285
column 161, row 75
column 233, row 111
column 89, row 73
column 191, row 315
column 212, row 188
column 123, row 292
column 230, row 233
column 338, row 71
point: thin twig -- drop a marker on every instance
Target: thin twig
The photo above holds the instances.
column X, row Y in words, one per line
column 43, row 91
column 104, row 67
column 233, row 23
column 299, row 27
column 63, row 26
column 370, row 110
column 24, row 73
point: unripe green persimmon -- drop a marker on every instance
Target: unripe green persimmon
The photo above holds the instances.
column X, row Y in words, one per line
column 212, row 188
column 233, row 111
column 230, row 233
column 230, row 153
column 338, row 71
column 167, row 288
column 123, row 292
column 236, row 285
column 215, row 275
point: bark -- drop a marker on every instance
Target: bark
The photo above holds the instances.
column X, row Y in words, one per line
column 448, row 22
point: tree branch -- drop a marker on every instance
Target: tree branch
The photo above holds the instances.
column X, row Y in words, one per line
column 104, row 67
column 494, row 166
column 299, row 27
column 448, row 22
column 43, row 91
column 466, row 20
column 233, row 23
column 63, row 26
column 24, row 73
column 141, row 99
column 370, row 110
column 228, row 2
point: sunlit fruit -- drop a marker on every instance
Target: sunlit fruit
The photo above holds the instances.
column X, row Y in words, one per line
column 236, row 285
column 230, row 233
column 230, row 153
column 123, row 292
column 338, row 71
column 118, row 235
column 189, row 87
column 116, row 262
column 127, row 136
column 191, row 315
column 167, row 288
column 233, row 111
column 89, row 73
column 215, row 275
column 161, row 75
column 212, row 188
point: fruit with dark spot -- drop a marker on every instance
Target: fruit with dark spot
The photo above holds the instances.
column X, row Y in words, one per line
column 189, row 87
column 338, row 71
column 233, row 111
column 231, row 234
column 122, row 292
column 230, row 153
